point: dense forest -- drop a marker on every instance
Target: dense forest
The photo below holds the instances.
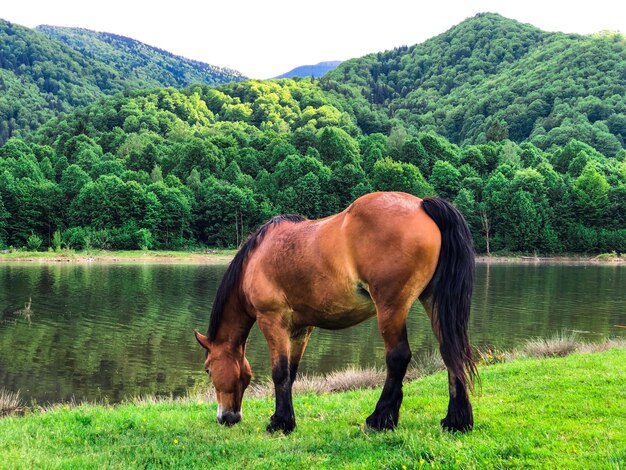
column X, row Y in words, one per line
column 203, row 166
column 41, row 76
column 491, row 78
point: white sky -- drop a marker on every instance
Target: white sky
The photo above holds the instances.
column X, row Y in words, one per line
column 265, row 38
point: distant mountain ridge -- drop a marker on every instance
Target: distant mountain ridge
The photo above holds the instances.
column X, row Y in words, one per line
column 41, row 76
column 316, row 70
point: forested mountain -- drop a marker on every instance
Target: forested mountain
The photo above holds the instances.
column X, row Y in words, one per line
column 316, row 70
column 205, row 166
column 41, row 77
column 491, row 78
column 534, row 159
column 141, row 65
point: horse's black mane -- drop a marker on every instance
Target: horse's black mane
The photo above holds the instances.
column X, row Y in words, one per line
column 233, row 273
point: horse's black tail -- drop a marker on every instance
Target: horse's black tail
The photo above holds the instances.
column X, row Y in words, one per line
column 450, row 290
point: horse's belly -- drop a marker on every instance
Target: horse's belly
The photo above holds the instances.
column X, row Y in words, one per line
column 336, row 316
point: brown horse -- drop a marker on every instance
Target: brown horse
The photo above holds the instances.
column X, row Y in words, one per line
column 377, row 257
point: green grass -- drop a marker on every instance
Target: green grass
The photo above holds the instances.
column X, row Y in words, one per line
column 564, row 412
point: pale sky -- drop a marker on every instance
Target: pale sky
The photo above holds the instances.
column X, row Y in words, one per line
column 265, row 38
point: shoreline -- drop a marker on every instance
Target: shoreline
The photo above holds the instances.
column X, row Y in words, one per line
column 217, row 257
column 556, row 259
column 210, row 257
column 352, row 378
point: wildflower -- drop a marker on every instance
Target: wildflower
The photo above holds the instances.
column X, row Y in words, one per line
column 175, row 441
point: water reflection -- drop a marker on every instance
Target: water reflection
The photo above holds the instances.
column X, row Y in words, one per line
column 108, row 332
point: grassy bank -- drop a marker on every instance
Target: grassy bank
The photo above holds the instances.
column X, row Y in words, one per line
column 219, row 255
column 131, row 256
column 565, row 412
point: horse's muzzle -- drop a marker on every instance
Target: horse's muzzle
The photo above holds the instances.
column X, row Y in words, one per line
column 229, row 418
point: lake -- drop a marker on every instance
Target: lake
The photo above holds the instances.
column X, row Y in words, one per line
column 107, row 332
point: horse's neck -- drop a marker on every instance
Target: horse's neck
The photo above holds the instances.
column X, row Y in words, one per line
column 235, row 325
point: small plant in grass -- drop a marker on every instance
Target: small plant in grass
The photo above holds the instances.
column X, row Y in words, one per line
column 427, row 363
column 559, row 345
column 10, row 403
column 490, row 356
column 33, row 242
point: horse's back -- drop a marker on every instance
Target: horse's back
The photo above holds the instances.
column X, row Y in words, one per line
column 335, row 270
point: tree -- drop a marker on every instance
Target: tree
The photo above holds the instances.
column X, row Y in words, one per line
column 343, row 180
column 225, row 213
column 524, row 223
column 388, row 175
column 467, row 205
column 108, row 202
column 591, row 196
column 171, row 220
column 445, row 179
column 294, row 167
column 493, row 209
column 4, row 224
column 437, row 148
column 335, row 145
column 310, row 197
column 156, row 175
column 497, row 131
column 473, row 157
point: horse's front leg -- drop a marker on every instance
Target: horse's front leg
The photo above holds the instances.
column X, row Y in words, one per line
column 299, row 340
column 397, row 357
column 278, row 340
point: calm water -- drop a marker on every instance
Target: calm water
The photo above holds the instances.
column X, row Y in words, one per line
column 109, row 332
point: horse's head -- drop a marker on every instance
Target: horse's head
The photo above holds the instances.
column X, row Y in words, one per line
column 230, row 373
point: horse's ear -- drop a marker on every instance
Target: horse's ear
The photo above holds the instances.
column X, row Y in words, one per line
column 203, row 340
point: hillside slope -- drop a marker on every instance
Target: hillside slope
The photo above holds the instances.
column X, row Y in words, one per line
column 140, row 64
column 489, row 78
column 41, row 77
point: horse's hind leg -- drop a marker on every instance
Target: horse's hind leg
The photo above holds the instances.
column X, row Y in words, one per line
column 459, row 416
column 392, row 326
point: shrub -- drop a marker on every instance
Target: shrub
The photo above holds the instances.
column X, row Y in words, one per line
column 75, row 238
column 33, row 242
column 144, row 239
column 57, row 241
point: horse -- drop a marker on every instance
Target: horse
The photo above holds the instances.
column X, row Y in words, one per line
column 376, row 258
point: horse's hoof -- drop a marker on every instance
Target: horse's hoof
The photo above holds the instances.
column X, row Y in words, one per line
column 381, row 422
column 456, row 425
column 286, row 426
